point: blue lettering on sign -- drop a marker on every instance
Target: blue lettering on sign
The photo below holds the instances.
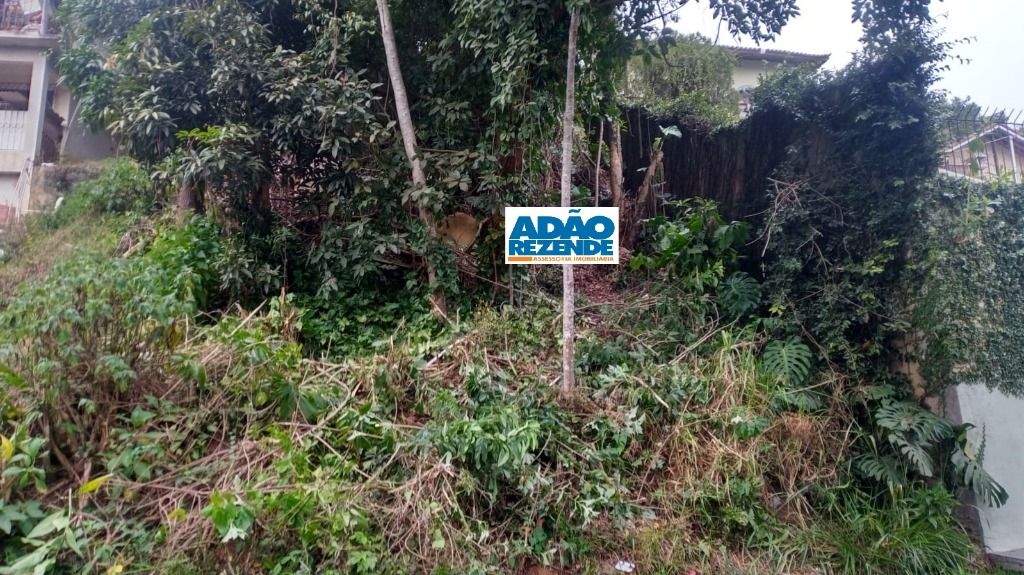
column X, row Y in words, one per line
column 551, row 236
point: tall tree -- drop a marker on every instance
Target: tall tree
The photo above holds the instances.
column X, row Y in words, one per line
column 405, row 125
column 568, row 285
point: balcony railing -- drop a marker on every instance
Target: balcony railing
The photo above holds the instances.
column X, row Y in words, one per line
column 12, row 129
column 27, row 17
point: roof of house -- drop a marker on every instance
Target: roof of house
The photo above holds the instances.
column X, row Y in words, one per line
column 769, row 55
column 997, row 128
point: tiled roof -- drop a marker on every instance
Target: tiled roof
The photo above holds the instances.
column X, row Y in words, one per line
column 770, row 55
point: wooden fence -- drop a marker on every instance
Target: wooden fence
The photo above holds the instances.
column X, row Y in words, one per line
column 731, row 166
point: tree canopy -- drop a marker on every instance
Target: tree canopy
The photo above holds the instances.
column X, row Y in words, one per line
column 244, row 100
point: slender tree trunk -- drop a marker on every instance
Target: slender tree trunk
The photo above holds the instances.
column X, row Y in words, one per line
column 405, row 125
column 187, row 203
column 641, row 209
column 615, row 164
column 568, row 285
column 261, row 198
column 597, row 165
column 643, row 196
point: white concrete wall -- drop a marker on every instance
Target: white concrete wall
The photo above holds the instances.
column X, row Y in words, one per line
column 80, row 143
column 9, row 200
column 8, row 193
column 748, row 73
column 12, row 161
column 1002, row 418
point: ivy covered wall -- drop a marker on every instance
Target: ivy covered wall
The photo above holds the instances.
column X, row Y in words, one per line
column 968, row 288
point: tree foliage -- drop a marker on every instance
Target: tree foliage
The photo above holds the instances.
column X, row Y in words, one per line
column 197, row 435
column 843, row 250
column 836, row 229
column 683, row 77
column 259, row 103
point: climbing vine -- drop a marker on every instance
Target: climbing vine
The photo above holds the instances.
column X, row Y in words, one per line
column 968, row 291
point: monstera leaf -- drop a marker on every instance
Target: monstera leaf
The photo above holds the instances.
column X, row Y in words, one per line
column 789, row 359
column 739, row 294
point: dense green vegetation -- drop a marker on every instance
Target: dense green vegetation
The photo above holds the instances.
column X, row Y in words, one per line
column 221, row 355
column 970, row 304
column 683, row 77
column 214, row 444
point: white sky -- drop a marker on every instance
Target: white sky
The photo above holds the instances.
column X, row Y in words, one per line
column 994, row 75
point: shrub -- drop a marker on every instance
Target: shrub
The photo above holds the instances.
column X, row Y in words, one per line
column 358, row 317
column 911, row 535
column 695, row 249
column 83, row 339
column 122, row 187
column 694, row 245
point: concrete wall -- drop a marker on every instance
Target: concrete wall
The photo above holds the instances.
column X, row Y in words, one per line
column 51, row 181
column 81, row 144
column 12, row 161
column 8, row 195
column 1000, row 416
column 748, row 73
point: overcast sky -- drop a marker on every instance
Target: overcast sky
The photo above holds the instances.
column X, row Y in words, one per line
column 993, row 77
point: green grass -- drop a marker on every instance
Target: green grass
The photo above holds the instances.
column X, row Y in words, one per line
column 31, row 250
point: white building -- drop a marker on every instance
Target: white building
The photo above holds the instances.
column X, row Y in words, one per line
column 992, row 153
column 36, row 112
column 755, row 64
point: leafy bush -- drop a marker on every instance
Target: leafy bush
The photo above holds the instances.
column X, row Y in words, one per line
column 684, row 77
column 789, row 359
column 695, row 249
column 357, row 318
column 739, row 294
column 909, row 442
column 844, row 269
column 121, row 187
column 79, row 342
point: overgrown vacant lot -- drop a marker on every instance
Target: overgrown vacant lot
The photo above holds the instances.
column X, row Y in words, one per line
column 146, row 431
column 278, row 336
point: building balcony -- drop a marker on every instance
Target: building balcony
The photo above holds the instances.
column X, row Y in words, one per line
column 12, row 129
column 27, row 23
column 13, row 125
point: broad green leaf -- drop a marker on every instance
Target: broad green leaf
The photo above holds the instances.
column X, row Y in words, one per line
column 48, row 525
column 234, row 532
column 789, row 359
column 27, row 562
column 437, row 541
column 8, row 375
column 42, row 567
